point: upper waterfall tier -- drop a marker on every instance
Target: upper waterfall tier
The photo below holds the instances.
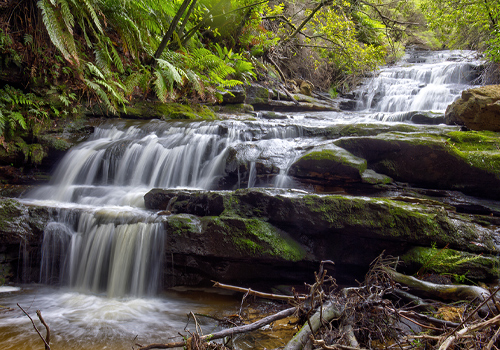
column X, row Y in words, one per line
column 421, row 81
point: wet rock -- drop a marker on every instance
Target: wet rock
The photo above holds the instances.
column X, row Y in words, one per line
column 21, row 234
column 201, row 204
column 329, row 163
column 257, row 94
column 239, row 108
column 371, row 177
column 348, row 105
column 236, row 95
column 272, row 115
column 477, row 109
column 451, row 161
column 298, row 106
column 427, row 118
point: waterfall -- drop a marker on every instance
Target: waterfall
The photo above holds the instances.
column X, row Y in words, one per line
column 103, row 251
column 102, row 240
column 422, row 81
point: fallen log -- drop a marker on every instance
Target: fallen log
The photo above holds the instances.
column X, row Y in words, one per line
column 455, row 292
column 328, row 312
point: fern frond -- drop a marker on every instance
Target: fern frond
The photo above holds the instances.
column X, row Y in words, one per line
column 95, row 70
column 102, row 59
column 67, row 16
column 53, row 26
column 91, row 10
column 160, row 86
column 174, row 73
column 17, row 117
column 195, row 81
column 102, row 95
column 116, row 59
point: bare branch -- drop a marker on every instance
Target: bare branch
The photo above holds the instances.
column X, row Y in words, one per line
column 47, row 346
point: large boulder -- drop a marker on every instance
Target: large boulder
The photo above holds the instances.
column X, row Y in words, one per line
column 477, row 109
column 330, row 163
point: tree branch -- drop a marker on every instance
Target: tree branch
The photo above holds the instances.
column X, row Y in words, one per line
column 47, row 346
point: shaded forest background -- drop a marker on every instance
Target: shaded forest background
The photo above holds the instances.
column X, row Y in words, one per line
column 58, row 57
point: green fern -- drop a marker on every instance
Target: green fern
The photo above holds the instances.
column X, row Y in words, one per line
column 107, row 87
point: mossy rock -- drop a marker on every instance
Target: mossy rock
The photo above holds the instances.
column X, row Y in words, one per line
column 451, row 161
column 334, row 216
column 167, row 111
column 230, row 238
column 364, row 129
column 330, row 163
column 456, row 264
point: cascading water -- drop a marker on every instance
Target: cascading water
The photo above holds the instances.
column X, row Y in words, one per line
column 419, row 82
column 107, row 252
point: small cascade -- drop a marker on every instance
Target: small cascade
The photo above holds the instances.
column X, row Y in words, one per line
column 101, row 239
column 422, row 81
column 252, row 177
column 104, row 251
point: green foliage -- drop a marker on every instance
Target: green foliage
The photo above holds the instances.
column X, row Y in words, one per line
column 7, row 53
column 17, row 110
column 338, row 34
column 106, row 87
column 243, row 69
column 444, row 261
column 493, row 50
column 463, row 24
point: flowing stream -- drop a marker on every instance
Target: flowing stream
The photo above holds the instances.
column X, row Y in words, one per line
column 103, row 252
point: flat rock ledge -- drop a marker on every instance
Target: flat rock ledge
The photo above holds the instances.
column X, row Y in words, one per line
column 285, row 233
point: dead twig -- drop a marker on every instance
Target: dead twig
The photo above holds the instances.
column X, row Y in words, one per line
column 45, row 340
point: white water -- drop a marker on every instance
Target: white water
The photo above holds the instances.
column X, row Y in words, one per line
column 105, row 252
column 431, row 84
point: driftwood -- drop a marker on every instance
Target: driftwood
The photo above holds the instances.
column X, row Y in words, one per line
column 455, row 292
column 324, row 314
column 250, row 291
column 227, row 332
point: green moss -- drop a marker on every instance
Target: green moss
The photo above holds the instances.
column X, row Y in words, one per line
column 263, row 238
column 167, row 111
column 452, row 262
column 367, row 129
column 33, row 153
column 479, row 148
column 182, row 223
column 337, row 155
column 385, row 217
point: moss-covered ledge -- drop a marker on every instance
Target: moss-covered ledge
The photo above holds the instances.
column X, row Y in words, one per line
column 286, row 225
column 459, row 266
column 454, row 160
column 156, row 110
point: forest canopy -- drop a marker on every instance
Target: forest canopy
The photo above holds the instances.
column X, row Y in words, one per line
column 58, row 54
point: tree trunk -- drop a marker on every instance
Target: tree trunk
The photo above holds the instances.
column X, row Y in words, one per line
column 170, row 31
